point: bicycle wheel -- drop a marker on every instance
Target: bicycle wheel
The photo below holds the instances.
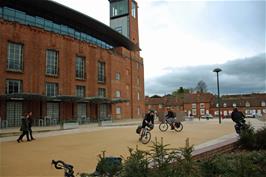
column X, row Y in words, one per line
column 163, row 127
column 179, row 128
column 146, row 138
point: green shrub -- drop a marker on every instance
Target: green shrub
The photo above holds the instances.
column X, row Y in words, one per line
column 247, row 138
column 136, row 165
column 261, row 138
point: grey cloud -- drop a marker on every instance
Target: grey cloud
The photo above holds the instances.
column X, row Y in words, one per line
column 238, row 76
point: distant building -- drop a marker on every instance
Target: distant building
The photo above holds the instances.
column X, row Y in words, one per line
column 61, row 64
column 199, row 104
column 251, row 105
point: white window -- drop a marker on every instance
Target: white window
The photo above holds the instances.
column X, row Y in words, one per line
column 194, row 105
column 263, row 103
column 133, row 10
column 51, row 62
column 247, row 104
column 117, row 94
column 80, row 90
column 138, row 81
column 13, row 86
column 234, row 104
column 194, row 112
column 51, row 89
column 118, row 110
column 117, row 76
column 138, row 96
column 225, row 105
column 138, row 110
column 202, row 111
column 202, row 105
column 14, row 57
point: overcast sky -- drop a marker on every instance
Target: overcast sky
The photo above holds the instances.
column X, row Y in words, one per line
column 183, row 41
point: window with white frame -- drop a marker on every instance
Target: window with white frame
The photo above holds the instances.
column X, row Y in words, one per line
column 117, row 94
column 118, row 110
column 15, row 57
column 225, row 105
column 101, row 92
column 117, row 76
column 247, row 104
column 194, row 105
column 80, row 67
column 51, row 89
column 80, row 90
column 263, row 103
column 138, row 82
column 234, row 104
column 138, row 111
column 202, row 111
column 101, row 72
column 51, row 62
column 13, row 86
column 202, row 105
column 138, row 96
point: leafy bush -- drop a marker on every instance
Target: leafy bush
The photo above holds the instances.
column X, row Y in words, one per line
column 136, row 165
column 247, row 138
column 261, row 138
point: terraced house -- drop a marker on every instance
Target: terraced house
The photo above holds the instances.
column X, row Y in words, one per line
column 62, row 64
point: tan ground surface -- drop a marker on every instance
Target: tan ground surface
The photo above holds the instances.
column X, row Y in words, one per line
column 81, row 149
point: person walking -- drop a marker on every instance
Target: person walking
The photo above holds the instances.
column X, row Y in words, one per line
column 30, row 125
column 24, row 128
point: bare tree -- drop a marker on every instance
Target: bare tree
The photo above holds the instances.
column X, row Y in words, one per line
column 201, row 87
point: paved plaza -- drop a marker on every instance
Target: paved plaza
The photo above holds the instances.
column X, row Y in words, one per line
column 81, row 146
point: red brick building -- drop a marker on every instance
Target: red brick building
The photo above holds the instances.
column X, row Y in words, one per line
column 61, row 64
column 199, row 104
column 251, row 105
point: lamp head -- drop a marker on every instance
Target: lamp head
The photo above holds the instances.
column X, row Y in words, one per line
column 217, row 70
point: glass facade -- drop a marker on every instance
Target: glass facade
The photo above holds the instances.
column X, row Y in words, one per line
column 15, row 57
column 118, row 8
column 10, row 14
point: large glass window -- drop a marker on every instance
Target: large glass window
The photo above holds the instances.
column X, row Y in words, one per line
column 10, row 14
column 134, row 9
column 51, row 62
column 80, row 91
column 80, row 67
column 101, row 72
column 101, row 92
column 51, row 89
column 14, row 57
column 13, row 86
column 119, row 8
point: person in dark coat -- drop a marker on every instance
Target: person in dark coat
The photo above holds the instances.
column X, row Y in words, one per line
column 170, row 116
column 147, row 121
column 237, row 116
column 30, row 125
column 24, row 128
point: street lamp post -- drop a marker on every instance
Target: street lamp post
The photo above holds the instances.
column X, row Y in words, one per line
column 217, row 70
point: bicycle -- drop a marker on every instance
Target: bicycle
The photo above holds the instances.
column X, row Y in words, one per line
column 145, row 136
column 178, row 126
column 68, row 169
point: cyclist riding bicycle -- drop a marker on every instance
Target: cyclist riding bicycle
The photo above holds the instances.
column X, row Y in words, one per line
column 148, row 121
column 170, row 117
